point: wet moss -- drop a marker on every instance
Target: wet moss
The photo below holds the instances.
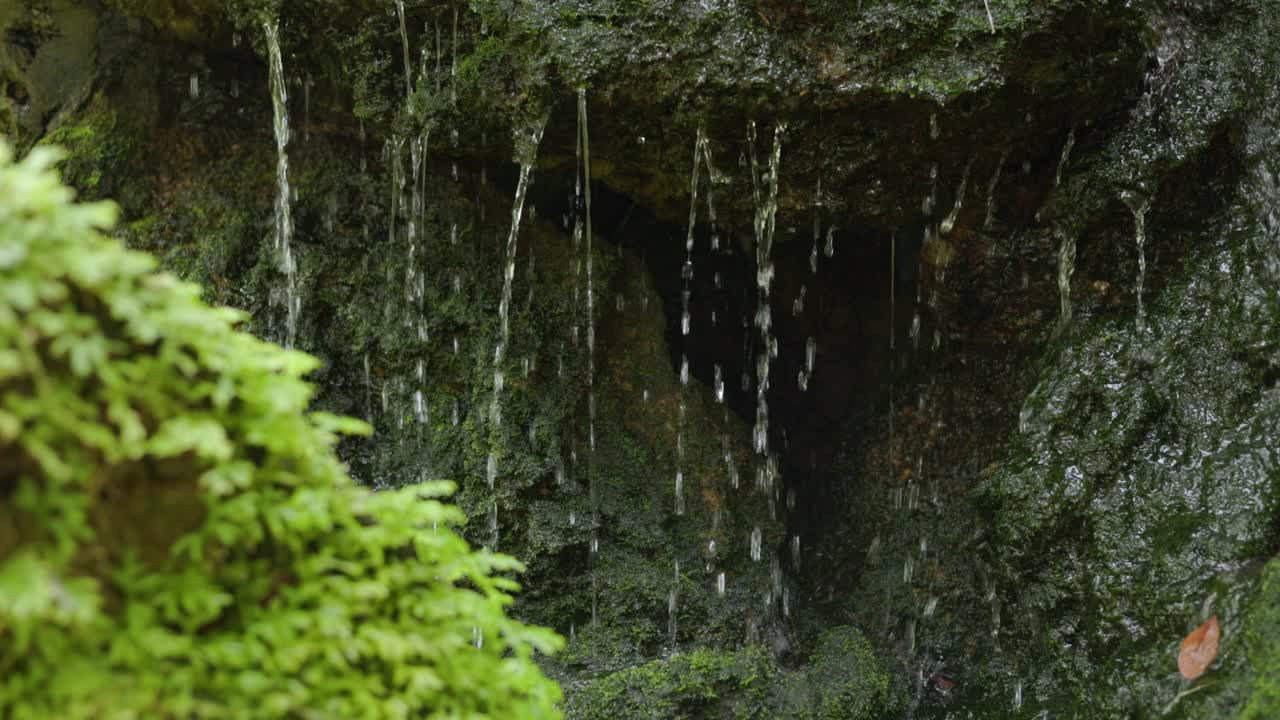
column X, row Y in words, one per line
column 702, row 684
column 97, row 149
column 1262, row 638
column 844, row 680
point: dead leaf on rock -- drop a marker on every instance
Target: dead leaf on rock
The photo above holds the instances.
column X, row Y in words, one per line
column 1199, row 649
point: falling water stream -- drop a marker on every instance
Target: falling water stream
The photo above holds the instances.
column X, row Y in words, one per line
column 283, row 219
column 1066, row 268
column 527, row 148
column 404, row 42
column 1138, row 204
column 766, row 209
column 582, row 231
column 700, row 151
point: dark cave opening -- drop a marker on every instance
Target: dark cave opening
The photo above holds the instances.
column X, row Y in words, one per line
column 846, row 306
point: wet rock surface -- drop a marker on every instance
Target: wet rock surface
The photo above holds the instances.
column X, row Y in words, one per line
column 1021, row 492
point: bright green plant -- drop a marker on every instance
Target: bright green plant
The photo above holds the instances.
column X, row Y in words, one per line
column 177, row 536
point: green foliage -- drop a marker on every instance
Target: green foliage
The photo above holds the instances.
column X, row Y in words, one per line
column 1262, row 636
column 702, row 684
column 95, row 145
column 844, row 680
column 177, row 537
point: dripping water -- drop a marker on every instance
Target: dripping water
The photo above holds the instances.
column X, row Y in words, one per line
column 404, row 41
column 1138, row 204
column 1066, row 268
column 283, row 219
column 991, row 190
column 528, row 149
column 1066, row 157
column 949, row 221
column 766, row 209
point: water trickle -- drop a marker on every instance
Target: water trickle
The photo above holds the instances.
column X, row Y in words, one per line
column 931, row 200
column 439, row 55
column 368, row 391
column 991, row 190
column 404, row 41
column 586, row 204
column 684, row 370
column 699, row 146
column 528, row 148
column 453, row 62
column 1138, row 204
column 720, row 584
column 719, row 384
column 830, row 248
column 1066, row 268
column 949, row 222
column 193, row 86
column 283, row 218
column 756, row 543
column 673, row 608
column 1066, row 157
column 582, row 228
column 414, row 289
column 766, row 209
column 679, row 492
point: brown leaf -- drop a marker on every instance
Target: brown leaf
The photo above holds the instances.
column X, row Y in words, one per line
column 1199, row 649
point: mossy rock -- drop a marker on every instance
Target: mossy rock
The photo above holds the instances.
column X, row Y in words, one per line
column 844, row 679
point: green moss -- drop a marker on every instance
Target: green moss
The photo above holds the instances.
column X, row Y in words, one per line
column 98, row 148
column 844, row 680
column 1262, row 638
column 703, row 684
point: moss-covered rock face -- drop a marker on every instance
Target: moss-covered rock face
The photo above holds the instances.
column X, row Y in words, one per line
column 1022, row 513
column 1260, row 633
column 47, row 61
column 843, row 681
column 1056, row 566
